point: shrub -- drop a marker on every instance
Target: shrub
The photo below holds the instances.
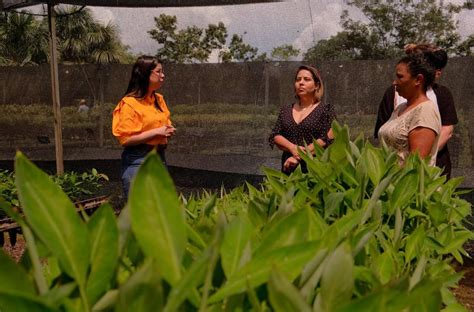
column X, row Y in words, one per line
column 357, row 233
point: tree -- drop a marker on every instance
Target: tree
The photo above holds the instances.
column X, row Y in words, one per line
column 284, row 52
column 389, row 27
column 238, row 51
column 83, row 40
column 23, row 40
column 192, row 44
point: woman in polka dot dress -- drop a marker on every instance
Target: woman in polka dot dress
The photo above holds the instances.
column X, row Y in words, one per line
column 306, row 121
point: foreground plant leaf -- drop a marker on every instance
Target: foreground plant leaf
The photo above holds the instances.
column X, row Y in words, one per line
column 13, row 278
column 337, row 281
column 157, row 218
column 142, row 291
column 290, row 260
column 15, row 302
column 284, row 296
column 53, row 218
column 105, row 250
column 236, row 236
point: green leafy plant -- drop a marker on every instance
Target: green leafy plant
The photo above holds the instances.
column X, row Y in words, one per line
column 77, row 185
column 356, row 233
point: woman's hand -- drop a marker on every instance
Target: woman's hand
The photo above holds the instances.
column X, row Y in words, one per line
column 290, row 164
column 165, row 131
column 294, row 150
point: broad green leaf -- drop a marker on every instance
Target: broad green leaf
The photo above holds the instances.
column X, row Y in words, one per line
column 378, row 300
column 289, row 230
column 461, row 237
column 379, row 189
column 22, row 303
column 276, row 185
column 384, row 267
column 105, row 251
column 337, row 150
column 56, row 296
column 236, row 236
column 53, row 218
column 284, row 296
column 337, row 281
column 374, row 163
column 454, row 307
column 312, row 273
column 190, row 281
column 332, row 203
column 414, row 244
column 290, row 261
column 195, row 237
column 208, row 206
column 108, row 301
column 124, row 227
column 397, row 232
column 425, row 296
column 418, row 273
column 405, row 190
column 142, row 291
column 13, row 278
column 157, row 218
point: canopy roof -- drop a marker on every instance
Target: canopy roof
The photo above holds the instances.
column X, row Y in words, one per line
column 16, row 4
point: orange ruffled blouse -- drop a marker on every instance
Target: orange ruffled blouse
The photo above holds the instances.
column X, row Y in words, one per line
column 133, row 116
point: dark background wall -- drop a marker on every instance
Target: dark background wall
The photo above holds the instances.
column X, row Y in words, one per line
column 354, row 88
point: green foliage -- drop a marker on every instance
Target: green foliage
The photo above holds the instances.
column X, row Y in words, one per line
column 81, row 39
column 186, row 45
column 238, row 51
column 84, row 40
column 356, row 233
column 389, row 26
column 284, row 53
column 76, row 186
column 8, row 189
column 23, row 39
column 194, row 44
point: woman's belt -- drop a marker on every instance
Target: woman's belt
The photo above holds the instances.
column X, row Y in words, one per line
column 145, row 148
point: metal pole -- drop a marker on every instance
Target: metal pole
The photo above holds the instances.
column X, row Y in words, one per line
column 266, row 71
column 58, row 137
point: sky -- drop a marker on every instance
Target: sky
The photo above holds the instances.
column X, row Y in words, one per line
column 300, row 23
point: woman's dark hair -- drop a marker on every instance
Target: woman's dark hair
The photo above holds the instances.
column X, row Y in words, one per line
column 420, row 64
column 318, row 94
column 438, row 57
column 140, row 78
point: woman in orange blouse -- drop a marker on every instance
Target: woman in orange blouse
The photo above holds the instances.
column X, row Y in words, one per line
column 141, row 121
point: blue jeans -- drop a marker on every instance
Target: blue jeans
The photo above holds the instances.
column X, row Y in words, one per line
column 132, row 158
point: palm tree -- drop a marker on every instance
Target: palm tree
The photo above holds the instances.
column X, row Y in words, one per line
column 23, row 40
column 83, row 40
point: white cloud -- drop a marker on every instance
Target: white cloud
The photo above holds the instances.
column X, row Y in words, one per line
column 264, row 26
column 325, row 24
column 103, row 15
